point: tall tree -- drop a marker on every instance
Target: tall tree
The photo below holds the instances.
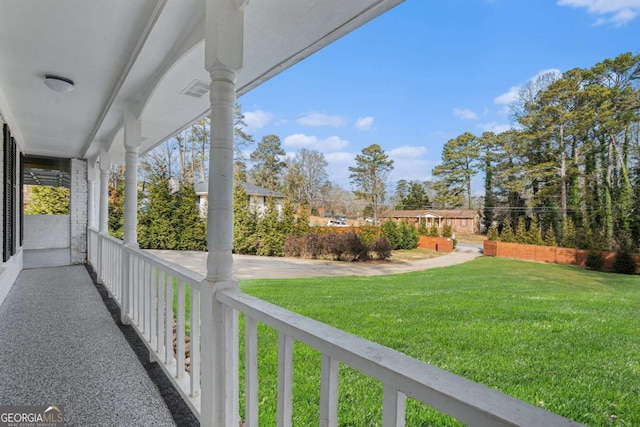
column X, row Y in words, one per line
column 268, row 163
column 305, row 177
column 369, row 176
column 487, row 145
column 411, row 195
column 459, row 164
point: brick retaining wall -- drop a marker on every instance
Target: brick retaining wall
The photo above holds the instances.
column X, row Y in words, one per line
column 549, row 254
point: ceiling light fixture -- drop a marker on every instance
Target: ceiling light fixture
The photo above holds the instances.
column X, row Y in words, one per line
column 57, row 83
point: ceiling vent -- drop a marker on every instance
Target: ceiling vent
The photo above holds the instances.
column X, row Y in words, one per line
column 196, row 88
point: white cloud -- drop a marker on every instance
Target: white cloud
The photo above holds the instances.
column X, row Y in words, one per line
column 364, row 123
column 465, row 113
column 300, row 140
column 407, row 152
column 409, row 163
column 340, row 157
column 257, row 119
column 319, row 119
column 508, row 97
column 616, row 12
column 494, row 127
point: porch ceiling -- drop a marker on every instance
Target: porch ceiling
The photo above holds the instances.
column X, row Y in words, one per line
column 143, row 52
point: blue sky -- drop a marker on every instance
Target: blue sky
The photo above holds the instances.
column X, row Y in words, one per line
column 428, row 71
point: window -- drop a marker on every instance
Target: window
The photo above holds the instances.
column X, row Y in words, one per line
column 464, row 222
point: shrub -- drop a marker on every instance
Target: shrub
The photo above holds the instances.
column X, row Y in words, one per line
column 409, row 236
column 506, row 235
column 433, row 230
column 382, row 248
column 493, row 233
column 595, row 261
column 521, row 232
column 312, row 245
column 550, row 237
column 334, row 245
column 447, row 231
column 369, row 233
column 389, row 229
column 293, row 246
column 624, row 262
column 355, row 248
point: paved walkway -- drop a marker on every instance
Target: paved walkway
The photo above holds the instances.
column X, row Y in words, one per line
column 60, row 346
column 257, row 267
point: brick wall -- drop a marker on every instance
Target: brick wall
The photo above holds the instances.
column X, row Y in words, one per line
column 78, row 211
column 553, row 255
column 440, row 244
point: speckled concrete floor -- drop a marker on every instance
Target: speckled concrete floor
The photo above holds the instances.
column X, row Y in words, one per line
column 60, row 346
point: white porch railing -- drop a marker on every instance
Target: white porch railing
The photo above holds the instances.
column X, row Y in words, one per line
column 92, row 247
column 154, row 284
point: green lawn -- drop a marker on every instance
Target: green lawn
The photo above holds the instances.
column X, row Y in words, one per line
column 559, row 337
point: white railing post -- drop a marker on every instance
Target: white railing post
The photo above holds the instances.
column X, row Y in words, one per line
column 223, row 59
column 329, row 391
column 103, row 223
column 393, row 407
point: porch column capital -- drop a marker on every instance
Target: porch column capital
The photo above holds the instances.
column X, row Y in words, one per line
column 132, row 127
column 224, row 34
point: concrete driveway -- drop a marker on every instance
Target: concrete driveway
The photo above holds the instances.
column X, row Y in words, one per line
column 257, row 267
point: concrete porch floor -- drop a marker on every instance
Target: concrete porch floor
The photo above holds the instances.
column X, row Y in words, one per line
column 59, row 345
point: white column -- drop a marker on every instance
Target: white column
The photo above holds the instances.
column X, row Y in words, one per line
column 91, row 197
column 91, row 182
column 223, row 60
column 103, row 220
column 132, row 139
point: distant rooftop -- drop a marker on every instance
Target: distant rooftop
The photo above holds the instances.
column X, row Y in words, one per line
column 251, row 189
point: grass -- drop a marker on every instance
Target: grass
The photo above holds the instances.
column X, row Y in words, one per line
column 414, row 254
column 558, row 337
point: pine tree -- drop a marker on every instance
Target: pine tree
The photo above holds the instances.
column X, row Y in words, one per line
column 389, row 229
column 187, row 222
column 267, row 163
column 521, row 231
column 155, row 228
column 271, row 238
column 369, row 176
column 550, row 237
column 409, row 235
column 116, row 209
column 447, row 231
column 302, row 222
column 506, row 235
column 568, row 234
column 493, row 233
column 534, row 235
column 433, row 230
column 245, row 223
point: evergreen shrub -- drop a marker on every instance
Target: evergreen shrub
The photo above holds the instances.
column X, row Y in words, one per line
column 624, row 262
column 595, row 261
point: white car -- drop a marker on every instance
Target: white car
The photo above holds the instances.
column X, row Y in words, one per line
column 337, row 223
